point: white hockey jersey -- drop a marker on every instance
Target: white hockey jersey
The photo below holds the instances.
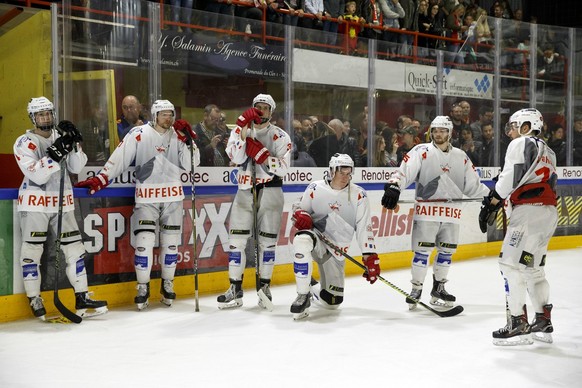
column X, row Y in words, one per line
column 528, row 161
column 340, row 213
column 158, row 159
column 439, row 176
column 275, row 140
column 39, row 191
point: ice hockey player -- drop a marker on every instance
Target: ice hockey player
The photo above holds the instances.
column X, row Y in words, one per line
column 256, row 144
column 442, row 173
column 41, row 153
column 337, row 209
column 528, row 182
column 159, row 149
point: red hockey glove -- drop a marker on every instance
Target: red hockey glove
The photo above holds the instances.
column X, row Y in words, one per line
column 302, row 219
column 184, row 131
column 372, row 263
column 251, row 114
column 95, row 184
column 256, row 150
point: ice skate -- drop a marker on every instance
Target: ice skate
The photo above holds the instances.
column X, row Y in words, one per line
column 143, row 294
column 415, row 294
column 232, row 297
column 87, row 307
column 440, row 296
column 315, row 288
column 516, row 332
column 265, row 297
column 541, row 327
column 300, row 307
column 37, row 307
column 167, row 291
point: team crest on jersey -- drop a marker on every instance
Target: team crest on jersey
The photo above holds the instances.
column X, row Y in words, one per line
column 446, row 168
column 334, row 206
column 32, row 146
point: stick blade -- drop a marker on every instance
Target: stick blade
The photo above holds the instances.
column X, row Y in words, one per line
column 71, row 316
column 451, row 312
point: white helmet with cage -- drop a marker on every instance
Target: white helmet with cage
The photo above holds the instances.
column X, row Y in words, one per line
column 338, row 161
column 531, row 116
column 442, row 122
column 162, row 105
column 41, row 104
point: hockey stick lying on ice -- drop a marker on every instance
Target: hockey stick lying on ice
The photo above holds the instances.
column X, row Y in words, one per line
column 441, row 313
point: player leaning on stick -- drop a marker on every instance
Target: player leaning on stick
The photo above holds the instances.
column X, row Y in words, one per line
column 336, row 208
column 38, row 153
column 255, row 138
column 159, row 149
column 528, row 181
column 441, row 173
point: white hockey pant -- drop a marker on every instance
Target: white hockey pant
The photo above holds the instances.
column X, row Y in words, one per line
column 518, row 280
column 144, row 254
column 169, row 254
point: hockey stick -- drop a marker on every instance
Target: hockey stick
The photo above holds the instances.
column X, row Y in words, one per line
column 193, row 198
column 441, row 313
column 57, row 301
column 451, row 200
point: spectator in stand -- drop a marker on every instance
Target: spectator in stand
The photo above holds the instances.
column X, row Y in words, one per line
column 298, row 140
column 324, row 144
column 485, row 150
column 408, row 23
column 380, row 157
column 577, row 141
column 248, row 17
column 392, row 11
column 307, row 131
column 314, row 8
column 301, row 158
column 131, row 116
column 372, row 13
column 332, row 9
column 346, row 145
column 424, row 24
column 95, row 135
column 219, row 14
column 467, row 144
column 353, row 28
column 209, row 138
column 403, row 121
column 361, row 128
column 550, row 64
column 482, row 30
column 182, row 13
column 457, row 119
column 454, row 23
column 437, row 27
column 408, row 137
column 391, row 140
column 485, row 117
column 557, row 143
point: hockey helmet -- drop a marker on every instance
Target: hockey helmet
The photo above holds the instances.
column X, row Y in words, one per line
column 161, row 105
column 441, row 122
column 41, row 104
column 265, row 99
column 531, row 116
column 338, row 161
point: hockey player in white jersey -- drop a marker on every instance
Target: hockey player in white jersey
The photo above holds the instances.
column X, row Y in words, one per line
column 159, row 149
column 528, row 184
column 256, row 139
column 38, row 154
column 442, row 173
column 336, row 208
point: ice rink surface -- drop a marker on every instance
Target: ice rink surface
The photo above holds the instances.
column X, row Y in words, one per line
column 371, row 341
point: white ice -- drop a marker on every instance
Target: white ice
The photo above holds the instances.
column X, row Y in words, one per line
column 371, row 341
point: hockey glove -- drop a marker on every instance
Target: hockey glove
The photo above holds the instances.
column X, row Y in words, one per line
column 489, row 211
column 372, row 263
column 184, row 131
column 69, row 129
column 94, row 184
column 303, row 220
column 256, row 150
column 251, row 114
column 391, row 195
column 60, row 148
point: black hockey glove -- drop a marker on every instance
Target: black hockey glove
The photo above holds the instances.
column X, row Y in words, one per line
column 60, row 148
column 391, row 195
column 489, row 211
column 69, row 129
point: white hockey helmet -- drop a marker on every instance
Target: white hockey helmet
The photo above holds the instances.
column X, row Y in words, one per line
column 338, row 161
column 266, row 99
column 442, row 122
column 41, row 104
column 161, row 105
column 531, row 116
